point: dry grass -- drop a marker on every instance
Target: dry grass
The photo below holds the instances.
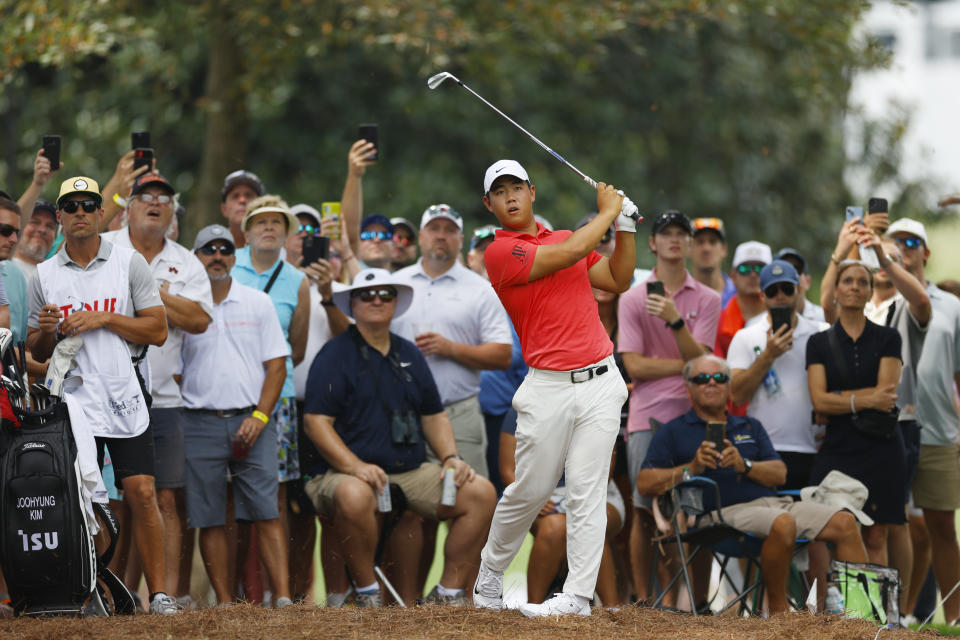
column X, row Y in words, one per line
column 433, row 622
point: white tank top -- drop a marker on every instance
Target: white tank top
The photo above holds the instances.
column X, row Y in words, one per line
column 110, row 394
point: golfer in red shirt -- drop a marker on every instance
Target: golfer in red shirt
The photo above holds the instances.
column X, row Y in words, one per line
column 569, row 404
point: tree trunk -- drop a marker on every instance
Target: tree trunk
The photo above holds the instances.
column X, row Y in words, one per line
column 224, row 138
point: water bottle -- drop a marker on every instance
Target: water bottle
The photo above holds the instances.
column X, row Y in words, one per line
column 686, row 495
column 771, row 381
column 449, row 495
column 834, row 602
column 384, row 504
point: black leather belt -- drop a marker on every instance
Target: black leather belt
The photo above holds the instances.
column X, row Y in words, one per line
column 582, row 375
column 226, row 413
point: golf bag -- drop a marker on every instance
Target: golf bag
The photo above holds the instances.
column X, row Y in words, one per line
column 46, row 549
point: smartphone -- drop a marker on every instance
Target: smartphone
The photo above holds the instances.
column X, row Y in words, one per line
column 143, row 158
column 867, row 255
column 51, row 151
column 780, row 316
column 854, row 212
column 140, row 140
column 370, row 133
column 314, row 248
column 717, row 433
column 655, row 286
column 877, row 205
column 330, row 210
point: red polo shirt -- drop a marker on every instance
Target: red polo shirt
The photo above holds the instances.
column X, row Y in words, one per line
column 555, row 316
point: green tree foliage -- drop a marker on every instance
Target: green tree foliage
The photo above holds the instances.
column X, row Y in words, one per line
column 726, row 108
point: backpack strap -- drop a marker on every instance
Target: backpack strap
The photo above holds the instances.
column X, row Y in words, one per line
column 838, row 360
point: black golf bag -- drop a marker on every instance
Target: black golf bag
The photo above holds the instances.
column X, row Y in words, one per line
column 46, row 550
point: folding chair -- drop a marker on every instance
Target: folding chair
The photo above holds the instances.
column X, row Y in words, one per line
column 713, row 535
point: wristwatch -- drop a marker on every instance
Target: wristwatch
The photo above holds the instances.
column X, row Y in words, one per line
column 328, row 303
column 747, row 467
column 677, row 325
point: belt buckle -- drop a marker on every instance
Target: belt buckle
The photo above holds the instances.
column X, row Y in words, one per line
column 226, row 413
column 584, row 375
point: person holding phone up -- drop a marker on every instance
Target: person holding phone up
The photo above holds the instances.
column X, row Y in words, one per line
column 769, row 372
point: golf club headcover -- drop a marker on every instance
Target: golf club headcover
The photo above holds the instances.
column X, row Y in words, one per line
column 625, row 221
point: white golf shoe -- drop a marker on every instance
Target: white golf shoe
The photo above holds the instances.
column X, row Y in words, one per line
column 562, row 604
column 488, row 590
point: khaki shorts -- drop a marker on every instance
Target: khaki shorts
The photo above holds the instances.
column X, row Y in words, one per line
column 938, row 475
column 757, row 516
column 423, row 487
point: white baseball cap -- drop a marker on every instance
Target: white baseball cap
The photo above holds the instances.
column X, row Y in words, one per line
column 435, row 211
column 752, row 251
column 908, row 225
column 503, row 168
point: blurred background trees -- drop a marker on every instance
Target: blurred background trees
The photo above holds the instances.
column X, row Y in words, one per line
column 719, row 108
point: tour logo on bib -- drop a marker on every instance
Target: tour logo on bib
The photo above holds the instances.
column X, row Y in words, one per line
column 76, row 304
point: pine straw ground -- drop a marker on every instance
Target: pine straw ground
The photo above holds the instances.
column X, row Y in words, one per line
column 436, row 623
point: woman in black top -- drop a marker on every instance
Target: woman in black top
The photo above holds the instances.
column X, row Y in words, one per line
column 870, row 357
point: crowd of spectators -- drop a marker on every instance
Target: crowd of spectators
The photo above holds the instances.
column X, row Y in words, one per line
column 273, row 388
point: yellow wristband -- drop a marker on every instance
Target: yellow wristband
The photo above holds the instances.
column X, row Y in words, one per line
column 261, row 416
column 121, row 202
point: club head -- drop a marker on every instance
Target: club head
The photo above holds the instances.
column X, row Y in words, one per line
column 6, row 340
column 435, row 81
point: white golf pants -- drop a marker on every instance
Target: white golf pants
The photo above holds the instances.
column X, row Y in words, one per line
column 561, row 427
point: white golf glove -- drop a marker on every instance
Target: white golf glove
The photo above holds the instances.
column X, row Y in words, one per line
column 624, row 221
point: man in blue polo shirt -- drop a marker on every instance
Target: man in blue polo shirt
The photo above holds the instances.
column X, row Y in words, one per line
column 371, row 407
column 746, row 471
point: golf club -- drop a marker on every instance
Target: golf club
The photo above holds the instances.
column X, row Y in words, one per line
column 436, row 80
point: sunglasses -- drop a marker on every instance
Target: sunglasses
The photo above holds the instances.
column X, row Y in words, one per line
column 367, row 295
column 909, row 243
column 7, row 230
column 705, row 378
column 435, row 210
column 224, row 249
column 309, row 229
column 745, row 269
column 375, row 235
column 403, row 241
column 149, row 198
column 788, row 289
column 71, row 206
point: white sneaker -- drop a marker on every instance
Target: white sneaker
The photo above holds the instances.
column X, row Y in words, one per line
column 186, row 603
column 562, row 604
column 907, row 620
column 164, row 605
column 488, row 589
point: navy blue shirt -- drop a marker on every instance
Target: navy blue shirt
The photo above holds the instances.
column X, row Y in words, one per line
column 344, row 384
column 676, row 443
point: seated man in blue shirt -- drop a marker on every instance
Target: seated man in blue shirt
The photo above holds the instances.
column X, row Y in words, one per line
column 746, row 470
column 371, row 407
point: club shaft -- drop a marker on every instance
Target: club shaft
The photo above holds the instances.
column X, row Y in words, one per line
column 586, row 178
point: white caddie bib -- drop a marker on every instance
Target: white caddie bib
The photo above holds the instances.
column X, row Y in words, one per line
column 110, row 394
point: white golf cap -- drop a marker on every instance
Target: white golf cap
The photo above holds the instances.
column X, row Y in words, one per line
column 503, row 168
column 752, row 251
column 371, row 279
column 306, row 210
column 838, row 489
column 908, row 225
column 435, row 211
